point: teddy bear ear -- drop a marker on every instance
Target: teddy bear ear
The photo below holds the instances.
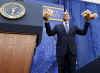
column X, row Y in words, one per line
column 94, row 15
column 84, row 14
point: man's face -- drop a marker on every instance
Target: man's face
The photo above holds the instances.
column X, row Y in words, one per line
column 66, row 17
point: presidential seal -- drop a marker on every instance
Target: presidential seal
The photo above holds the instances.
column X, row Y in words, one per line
column 12, row 10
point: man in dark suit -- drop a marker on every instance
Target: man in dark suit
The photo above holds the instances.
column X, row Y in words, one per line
column 66, row 46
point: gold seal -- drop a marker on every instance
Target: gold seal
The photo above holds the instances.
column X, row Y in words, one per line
column 12, row 10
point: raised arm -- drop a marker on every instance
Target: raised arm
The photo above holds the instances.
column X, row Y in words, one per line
column 84, row 30
column 50, row 31
column 46, row 16
column 88, row 16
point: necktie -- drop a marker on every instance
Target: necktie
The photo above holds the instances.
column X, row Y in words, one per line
column 66, row 25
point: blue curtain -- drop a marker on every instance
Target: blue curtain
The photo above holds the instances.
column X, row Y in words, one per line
column 85, row 44
column 48, row 1
column 88, row 47
column 45, row 57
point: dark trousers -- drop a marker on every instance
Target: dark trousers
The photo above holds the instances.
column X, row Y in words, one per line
column 66, row 63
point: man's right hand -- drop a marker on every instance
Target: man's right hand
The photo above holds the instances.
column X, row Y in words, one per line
column 46, row 17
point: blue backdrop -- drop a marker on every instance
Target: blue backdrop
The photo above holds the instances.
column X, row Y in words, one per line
column 88, row 47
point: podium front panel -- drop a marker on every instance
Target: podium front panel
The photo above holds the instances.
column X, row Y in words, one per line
column 16, row 52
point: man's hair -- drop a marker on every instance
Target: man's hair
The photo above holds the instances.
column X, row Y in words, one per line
column 66, row 12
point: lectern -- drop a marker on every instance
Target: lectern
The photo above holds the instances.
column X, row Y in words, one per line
column 19, row 37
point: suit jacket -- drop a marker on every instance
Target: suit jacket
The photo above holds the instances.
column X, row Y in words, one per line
column 65, row 41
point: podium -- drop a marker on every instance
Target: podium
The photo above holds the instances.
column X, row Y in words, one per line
column 19, row 38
